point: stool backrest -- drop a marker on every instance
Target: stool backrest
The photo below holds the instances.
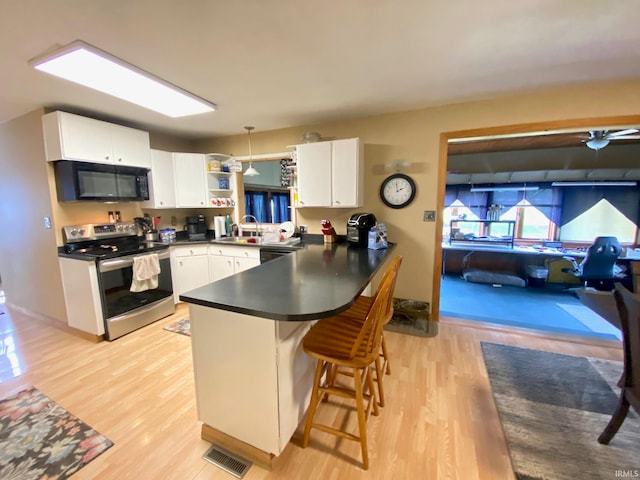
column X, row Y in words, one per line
column 370, row 336
column 391, row 272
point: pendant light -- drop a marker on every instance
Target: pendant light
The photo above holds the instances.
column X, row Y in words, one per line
column 250, row 172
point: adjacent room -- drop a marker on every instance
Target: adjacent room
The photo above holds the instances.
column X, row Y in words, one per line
column 520, row 214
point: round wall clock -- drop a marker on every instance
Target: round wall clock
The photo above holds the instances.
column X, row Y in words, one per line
column 398, row 190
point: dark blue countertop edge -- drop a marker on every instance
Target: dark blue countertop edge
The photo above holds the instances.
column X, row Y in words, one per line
column 311, row 283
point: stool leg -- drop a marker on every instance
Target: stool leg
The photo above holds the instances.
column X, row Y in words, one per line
column 332, row 374
column 313, row 403
column 385, row 355
column 362, row 421
column 379, row 375
column 370, row 385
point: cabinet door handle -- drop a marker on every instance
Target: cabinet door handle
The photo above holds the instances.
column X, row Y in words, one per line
column 120, row 159
column 107, row 157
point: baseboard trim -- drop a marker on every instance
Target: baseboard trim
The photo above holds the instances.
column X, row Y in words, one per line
column 52, row 322
column 238, row 447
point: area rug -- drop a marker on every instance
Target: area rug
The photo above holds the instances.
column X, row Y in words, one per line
column 40, row 439
column 553, row 407
column 590, row 319
column 181, row 326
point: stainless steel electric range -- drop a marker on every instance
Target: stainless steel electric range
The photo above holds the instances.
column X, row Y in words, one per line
column 113, row 247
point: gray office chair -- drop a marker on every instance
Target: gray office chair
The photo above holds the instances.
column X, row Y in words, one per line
column 597, row 268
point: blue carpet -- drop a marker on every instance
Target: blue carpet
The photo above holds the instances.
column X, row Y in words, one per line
column 534, row 308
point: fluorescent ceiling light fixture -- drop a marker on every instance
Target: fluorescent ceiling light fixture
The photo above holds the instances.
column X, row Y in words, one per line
column 594, row 184
column 503, row 189
column 84, row 64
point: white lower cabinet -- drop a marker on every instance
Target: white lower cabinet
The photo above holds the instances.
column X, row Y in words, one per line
column 220, row 267
column 193, row 266
column 189, row 268
column 225, row 260
column 253, row 380
column 82, row 295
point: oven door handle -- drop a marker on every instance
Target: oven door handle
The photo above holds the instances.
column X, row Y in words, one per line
column 120, row 263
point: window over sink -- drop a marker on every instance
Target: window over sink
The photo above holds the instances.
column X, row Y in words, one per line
column 267, row 196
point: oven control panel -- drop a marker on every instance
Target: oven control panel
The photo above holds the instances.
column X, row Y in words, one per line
column 92, row 231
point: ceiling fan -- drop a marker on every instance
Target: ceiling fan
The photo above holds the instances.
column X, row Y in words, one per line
column 599, row 139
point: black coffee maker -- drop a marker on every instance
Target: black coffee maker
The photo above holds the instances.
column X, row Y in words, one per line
column 196, row 227
column 358, row 227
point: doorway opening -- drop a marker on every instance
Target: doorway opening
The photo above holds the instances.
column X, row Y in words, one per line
column 529, row 157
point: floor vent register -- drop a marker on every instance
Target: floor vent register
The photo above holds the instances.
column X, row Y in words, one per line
column 227, row 461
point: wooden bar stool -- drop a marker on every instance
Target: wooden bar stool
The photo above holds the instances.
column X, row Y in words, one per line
column 357, row 314
column 356, row 349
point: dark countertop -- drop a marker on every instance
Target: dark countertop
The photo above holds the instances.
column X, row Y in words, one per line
column 308, row 284
column 209, row 241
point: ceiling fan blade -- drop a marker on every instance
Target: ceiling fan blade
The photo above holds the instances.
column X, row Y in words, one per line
column 622, row 133
column 625, row 137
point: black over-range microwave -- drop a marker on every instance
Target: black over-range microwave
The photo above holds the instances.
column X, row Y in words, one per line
column 100, row 182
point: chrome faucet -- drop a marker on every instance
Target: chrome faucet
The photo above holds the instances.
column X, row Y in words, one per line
column 254, row 219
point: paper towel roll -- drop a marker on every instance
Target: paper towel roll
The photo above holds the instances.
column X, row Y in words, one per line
column 220, row 228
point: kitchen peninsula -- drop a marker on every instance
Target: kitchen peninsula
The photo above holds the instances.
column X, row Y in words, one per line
column 253, row 380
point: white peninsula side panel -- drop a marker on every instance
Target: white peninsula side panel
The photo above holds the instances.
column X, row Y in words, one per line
column 253, row 381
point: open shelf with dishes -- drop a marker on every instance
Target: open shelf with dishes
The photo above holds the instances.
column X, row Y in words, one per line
column 482, row 232
column 220, row 181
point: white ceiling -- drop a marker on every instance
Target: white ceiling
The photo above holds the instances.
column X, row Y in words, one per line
column 282, row 63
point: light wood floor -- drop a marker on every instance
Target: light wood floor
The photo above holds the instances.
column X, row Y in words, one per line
column 440, row 421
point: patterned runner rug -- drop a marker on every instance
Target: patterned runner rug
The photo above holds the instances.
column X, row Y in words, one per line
column 553, row 407
column 181, row 326
column 40, row 439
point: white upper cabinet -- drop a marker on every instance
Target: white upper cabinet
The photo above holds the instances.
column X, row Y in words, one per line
column 162, row 189
column 314, row 174
column 347, row 173
column 330, row 174
column 130, row 146
column 73, row 137
column 190, row 180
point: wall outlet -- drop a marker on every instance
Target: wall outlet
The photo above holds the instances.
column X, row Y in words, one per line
column 429, row 216
column 47, row 222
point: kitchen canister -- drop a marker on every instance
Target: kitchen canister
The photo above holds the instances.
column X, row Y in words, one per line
column 168, row 235
column 223, row 183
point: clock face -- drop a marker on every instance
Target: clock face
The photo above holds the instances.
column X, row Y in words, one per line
column 398, row 190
